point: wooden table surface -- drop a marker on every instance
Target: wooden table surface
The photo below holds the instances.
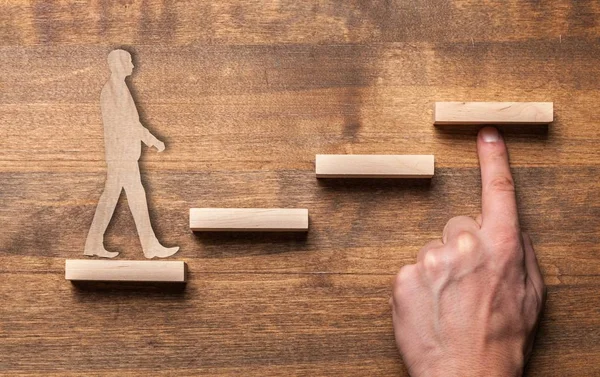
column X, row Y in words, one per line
column 245, row 93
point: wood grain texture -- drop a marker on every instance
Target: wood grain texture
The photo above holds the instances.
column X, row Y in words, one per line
column 249, row 219
column 373, row 166
column 479, row 113
column 245, row 94
column 125, row 271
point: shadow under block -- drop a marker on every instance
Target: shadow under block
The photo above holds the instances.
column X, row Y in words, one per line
column 125, row 270
column 449, row 113
column 249, row 219
column 374, row 166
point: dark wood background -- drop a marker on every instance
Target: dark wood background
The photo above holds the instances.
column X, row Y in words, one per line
column 244, row 95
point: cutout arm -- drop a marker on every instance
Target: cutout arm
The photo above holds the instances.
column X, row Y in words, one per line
column 144, row 134
column 147, row 137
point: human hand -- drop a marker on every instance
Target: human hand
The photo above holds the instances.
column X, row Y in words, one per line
column 471, row 304
column 160, row 146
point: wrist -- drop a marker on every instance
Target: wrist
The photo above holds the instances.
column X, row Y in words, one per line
column 474, row 367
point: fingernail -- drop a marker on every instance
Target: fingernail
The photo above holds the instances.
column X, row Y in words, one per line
column 490, row 135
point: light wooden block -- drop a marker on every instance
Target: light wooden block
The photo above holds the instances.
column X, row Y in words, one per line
column 449, row 113
column 374, row 166
column 249, row 219
column 126, row 270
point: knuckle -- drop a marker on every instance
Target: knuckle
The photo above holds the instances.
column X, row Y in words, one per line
column 423, row 253
column 405, row 275
column 466, row 242
column 431, row 262
column 403, row 284
column 435, row 264
column 502, row 184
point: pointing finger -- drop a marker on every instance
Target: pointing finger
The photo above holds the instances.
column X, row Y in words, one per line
column 499, row 206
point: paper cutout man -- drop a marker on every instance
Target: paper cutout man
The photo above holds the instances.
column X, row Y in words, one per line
column 123, row 134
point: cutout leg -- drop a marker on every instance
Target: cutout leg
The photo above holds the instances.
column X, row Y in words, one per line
column 136, row 197
column 94, row 244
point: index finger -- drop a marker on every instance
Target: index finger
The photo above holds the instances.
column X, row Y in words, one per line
column 499, row 205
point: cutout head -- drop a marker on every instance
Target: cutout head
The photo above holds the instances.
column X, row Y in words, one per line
column 119, row 62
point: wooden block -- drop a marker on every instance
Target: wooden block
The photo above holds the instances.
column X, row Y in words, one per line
column 374, row 166
column 249, row 219
column 448, row 113
column 126, row 270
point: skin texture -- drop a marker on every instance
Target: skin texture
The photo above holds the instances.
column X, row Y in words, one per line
column 471, row 304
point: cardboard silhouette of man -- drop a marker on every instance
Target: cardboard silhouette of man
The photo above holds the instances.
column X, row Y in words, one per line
column 123, row 134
